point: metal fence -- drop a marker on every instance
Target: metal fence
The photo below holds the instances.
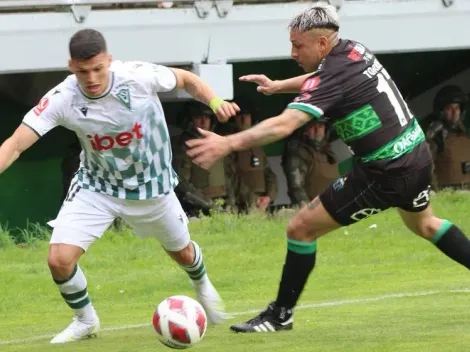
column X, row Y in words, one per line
column 42, row 5
column 132, row 3
column 32, row 4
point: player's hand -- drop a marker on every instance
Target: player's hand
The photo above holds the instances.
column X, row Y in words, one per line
column 205, row 151
column 226, row 110
column 265, row 85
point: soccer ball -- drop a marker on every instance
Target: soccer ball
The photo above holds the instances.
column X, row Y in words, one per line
column 180, row 322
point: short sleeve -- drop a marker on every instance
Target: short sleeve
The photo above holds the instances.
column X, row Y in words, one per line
column 157, row 78
column 46, row 114
column 319, row 93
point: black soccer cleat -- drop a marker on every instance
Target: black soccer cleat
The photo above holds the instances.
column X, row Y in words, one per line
column 271, row 320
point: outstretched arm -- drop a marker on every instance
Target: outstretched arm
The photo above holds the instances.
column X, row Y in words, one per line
column 23, row 138
column 269, row 130
column 205, row 151
column 322, row 92
column 268, row 86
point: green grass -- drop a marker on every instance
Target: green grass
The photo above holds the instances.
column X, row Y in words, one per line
column 127, row 277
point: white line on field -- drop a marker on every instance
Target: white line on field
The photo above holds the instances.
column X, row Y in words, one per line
column 303, row 306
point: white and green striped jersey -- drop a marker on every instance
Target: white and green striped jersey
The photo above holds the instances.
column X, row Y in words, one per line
column 123, row 133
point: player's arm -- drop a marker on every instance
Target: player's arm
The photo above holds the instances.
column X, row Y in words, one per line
column 291, row 85
column 23, row 138
column 201, row 91
column 319, row 93
column 269, row 130
column 161, row 78
column 194, row 85
column 36, row 123
column 268, row 86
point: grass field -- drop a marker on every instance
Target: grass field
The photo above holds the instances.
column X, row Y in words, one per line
column 374, row 289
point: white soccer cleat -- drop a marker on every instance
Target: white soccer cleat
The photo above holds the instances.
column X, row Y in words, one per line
column 77, row 330
column 211, row 301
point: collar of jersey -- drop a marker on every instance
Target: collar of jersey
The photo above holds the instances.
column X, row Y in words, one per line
column 110, row 86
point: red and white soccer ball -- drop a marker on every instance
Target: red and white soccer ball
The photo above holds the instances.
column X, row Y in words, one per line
column 180, row 322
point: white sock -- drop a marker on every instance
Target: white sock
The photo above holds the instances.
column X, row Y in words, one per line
column 197, row 270
column 75, row 293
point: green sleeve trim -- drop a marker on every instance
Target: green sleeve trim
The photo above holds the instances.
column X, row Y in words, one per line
column 312, row 110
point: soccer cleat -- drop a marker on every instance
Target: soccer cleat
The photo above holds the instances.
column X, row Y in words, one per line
column 210, row 300
column 271, row 320
column 77, row 330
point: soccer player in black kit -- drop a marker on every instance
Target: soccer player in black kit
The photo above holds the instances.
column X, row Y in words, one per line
column 347, row 84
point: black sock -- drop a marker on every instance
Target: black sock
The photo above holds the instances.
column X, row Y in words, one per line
column 299, row 263
column 453, row 243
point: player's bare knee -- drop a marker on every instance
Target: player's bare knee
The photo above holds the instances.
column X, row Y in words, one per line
column 428, row 227
column 61, row 266
column 62, row 259
column 299, row 229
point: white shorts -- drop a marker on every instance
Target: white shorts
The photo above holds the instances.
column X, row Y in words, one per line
column 89, row 214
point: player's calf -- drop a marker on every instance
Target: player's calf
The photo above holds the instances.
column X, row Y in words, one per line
column 447, row 237
column 303, row 230
column 299, row 263
column 450, row 240
column 72, row 285
column 191, row 260
column 74, row 291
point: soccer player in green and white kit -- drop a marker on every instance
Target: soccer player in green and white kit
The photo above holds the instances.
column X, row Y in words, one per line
column 125, row 168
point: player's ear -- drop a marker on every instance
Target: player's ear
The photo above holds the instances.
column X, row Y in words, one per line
column 70, row 65
column 323, row 41
column 110, row 59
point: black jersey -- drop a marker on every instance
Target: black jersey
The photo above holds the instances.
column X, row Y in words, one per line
column 355, row 92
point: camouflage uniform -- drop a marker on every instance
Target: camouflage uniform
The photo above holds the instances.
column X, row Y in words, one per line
column 309, row 167
column 438, row 133
column 449, row 142
column 199, row 189
column 257, row 179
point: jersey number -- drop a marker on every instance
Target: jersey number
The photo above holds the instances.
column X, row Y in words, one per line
column 385, row 85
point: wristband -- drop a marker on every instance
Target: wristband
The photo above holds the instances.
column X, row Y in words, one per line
column 215, row 103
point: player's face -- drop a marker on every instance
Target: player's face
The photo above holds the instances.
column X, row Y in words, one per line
column 243, row 121
column 92, row 74
column 308, row 49
column 452, row 112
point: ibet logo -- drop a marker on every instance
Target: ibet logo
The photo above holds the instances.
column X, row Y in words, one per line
column 103, row 143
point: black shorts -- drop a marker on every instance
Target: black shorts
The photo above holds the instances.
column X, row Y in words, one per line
column 364, row 192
